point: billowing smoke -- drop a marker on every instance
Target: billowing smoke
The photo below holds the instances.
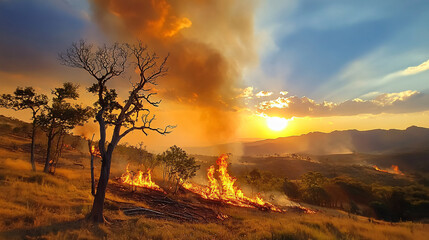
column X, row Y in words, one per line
column 209, row 41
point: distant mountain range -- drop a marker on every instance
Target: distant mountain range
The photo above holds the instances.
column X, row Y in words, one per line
column 337, row 142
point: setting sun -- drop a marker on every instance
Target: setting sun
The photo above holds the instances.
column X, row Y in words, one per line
column 276, row 123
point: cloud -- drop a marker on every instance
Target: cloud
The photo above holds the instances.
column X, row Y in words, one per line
column 280, row 102
column 263, row 94
column 401, row 102
column 390, row 98
column 247, row 93
column 284, row 93
column 415, row 69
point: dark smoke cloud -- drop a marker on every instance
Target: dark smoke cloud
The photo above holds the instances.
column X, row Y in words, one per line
column 209, row 42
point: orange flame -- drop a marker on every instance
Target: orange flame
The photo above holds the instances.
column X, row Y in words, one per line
column 141, row 179
column 378, row 169
column 394, row 170
column 95, row 151
column 225, row 189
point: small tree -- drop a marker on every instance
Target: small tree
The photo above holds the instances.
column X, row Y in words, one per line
column 104, row 64
column 312, row 188
column 59, row 118
column 26, row 98
column 253, row 179
column 179, row 165
column 291, row 189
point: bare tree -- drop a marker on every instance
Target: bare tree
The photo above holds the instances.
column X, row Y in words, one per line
column 26, row 98
column 103, row 64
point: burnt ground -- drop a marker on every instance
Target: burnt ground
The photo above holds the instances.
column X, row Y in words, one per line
column 163, row 206
column 184, row 206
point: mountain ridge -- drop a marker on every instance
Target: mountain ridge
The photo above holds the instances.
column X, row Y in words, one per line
column 335, row 142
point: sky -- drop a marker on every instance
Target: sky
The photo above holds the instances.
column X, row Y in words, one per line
column 234, row 65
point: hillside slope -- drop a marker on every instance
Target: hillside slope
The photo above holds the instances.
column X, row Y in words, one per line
column 42, row 206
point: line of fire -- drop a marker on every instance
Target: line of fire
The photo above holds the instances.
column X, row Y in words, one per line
column 222, row 190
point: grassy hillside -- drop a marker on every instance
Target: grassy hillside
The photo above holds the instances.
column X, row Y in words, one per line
column 53, row 207
column 42, row 206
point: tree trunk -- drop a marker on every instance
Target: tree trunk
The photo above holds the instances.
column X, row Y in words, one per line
column 33, row 143
column 177, row 185
column 92, row 176
column 58, row 152
column 90, row 142
column 48, row 151
column 96, row 214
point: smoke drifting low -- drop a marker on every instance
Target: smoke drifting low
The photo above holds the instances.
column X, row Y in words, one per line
column 209, row 42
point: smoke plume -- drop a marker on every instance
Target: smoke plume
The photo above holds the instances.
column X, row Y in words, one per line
column 209, row 41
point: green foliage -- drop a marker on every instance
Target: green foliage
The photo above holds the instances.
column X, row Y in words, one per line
column 263, row 181
column 178, row 164
column 63, row 116
column 313, row 179
column 312, row 190
column 383, row 202
column 254, row 178
column 291, row 189
column 24, row 98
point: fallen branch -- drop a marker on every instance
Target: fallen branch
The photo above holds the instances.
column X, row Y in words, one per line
column 141, row 210
column 80, row 165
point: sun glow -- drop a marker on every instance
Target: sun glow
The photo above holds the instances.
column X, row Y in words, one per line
column 277, row 123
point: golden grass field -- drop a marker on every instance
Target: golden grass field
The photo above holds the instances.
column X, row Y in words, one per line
column 42, row 206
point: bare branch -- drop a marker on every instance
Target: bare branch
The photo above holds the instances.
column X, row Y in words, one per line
column 147, row 120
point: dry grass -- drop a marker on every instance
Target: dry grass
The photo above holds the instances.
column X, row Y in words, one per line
column 36, row 199
column 37, row 205
column 246, row 225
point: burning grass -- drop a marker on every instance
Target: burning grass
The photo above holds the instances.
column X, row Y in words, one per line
column 393, row 170
column 140, row 179
column 222, row 187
